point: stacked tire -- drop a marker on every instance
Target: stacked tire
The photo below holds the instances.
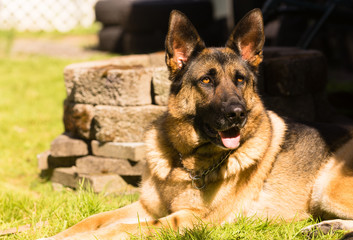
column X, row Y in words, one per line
column 140, row 26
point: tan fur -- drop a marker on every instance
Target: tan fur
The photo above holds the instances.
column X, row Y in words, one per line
column 279, row 169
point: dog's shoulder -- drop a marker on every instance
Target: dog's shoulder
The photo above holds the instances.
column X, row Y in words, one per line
column 307, row 145
column 324, row 136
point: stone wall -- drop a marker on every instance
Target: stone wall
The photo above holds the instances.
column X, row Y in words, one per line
column 110, row 104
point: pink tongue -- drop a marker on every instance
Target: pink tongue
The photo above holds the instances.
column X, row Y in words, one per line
column 230, row 138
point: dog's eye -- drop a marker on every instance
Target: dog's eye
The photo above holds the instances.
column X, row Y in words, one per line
column 240, row 79
column 206, row 80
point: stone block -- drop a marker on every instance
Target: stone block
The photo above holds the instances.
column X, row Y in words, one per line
column 99, row 165
column 109, row 123
column 131, row 61
column 132, row 86
column 124, row 124
column 46, row 161
column 157, row 59
column 78, row 119
column 293, row 72
column 88, row 82
column 66, row 146
column 161, row 86
column 133, row 151
column 121, row 86
column 108, row 183
column 43, row 160
column 65, row 176
column 98, row 182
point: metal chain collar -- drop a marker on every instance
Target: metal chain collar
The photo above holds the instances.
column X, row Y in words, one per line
column 198, row 180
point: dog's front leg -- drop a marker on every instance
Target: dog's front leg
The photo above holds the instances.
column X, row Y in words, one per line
column 177, row 221
column 94, row 224
column 123, row 230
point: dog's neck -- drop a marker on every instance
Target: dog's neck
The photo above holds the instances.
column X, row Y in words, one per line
column 198, row 176
column 202, row 157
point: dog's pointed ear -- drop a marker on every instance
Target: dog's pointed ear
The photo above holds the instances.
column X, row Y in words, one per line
column 248, row 38
column 182, row 41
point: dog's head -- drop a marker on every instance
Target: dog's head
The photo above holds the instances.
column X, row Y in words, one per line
column 215, row 88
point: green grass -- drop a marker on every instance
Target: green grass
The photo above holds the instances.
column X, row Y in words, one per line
column 60, row 209
column 32, row 91
column 245, row 228
column 31, row 107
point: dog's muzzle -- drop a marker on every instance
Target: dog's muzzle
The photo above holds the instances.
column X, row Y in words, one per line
column 236, row 116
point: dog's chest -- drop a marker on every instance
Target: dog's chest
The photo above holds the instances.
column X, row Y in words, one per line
column 214, row 202
column 203, row 201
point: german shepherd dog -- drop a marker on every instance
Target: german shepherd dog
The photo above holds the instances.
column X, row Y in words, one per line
column 218, row 153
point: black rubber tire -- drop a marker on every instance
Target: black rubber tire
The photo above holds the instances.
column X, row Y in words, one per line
column 110, row 38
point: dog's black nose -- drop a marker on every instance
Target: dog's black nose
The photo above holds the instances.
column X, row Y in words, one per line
column 236, row 114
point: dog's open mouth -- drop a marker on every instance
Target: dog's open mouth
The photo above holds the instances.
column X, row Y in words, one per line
column 230, row 138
